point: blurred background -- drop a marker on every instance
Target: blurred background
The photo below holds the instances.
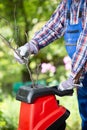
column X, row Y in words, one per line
column 19, row 20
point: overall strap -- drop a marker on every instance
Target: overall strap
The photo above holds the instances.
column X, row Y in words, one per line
column 81, row 8
column 68, row 8
column 82, row 2
column 69, row 2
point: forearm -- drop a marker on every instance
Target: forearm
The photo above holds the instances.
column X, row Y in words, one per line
column 80, row 56
column 52, row 30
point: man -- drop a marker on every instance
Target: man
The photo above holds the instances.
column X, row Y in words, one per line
column 69, row 15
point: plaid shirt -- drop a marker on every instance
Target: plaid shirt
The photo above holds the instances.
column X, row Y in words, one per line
column 55, row 28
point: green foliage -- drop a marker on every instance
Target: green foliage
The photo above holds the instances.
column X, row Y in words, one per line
column 22, row 15
column 9, row 112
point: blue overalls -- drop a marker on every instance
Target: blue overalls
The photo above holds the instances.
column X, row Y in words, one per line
column 71, row 36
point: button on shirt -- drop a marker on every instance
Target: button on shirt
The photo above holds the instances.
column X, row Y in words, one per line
column 55, row 28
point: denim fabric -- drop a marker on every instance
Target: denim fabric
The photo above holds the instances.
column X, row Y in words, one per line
column 82, row 102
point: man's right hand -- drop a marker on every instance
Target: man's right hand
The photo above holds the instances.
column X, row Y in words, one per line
column 66, row 85
column 69, row 84
column 24, row 51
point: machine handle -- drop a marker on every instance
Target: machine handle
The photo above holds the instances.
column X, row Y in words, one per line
column 62, row 93
column 28, row 94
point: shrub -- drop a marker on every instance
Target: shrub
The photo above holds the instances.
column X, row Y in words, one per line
column 9, row 110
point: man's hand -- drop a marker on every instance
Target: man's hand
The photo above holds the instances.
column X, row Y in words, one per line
column 70, row 83
column 25, row 51
column 66, row 85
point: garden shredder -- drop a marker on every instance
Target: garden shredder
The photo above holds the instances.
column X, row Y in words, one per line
column 40, row 109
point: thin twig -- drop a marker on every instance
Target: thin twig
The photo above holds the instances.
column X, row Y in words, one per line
column 26, row 60
column 37, row 72
column 27, row 65
column 8, row 43
column 4, row 19
column 15, row 26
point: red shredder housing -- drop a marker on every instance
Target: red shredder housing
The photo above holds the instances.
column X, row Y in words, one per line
column 40, row 111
